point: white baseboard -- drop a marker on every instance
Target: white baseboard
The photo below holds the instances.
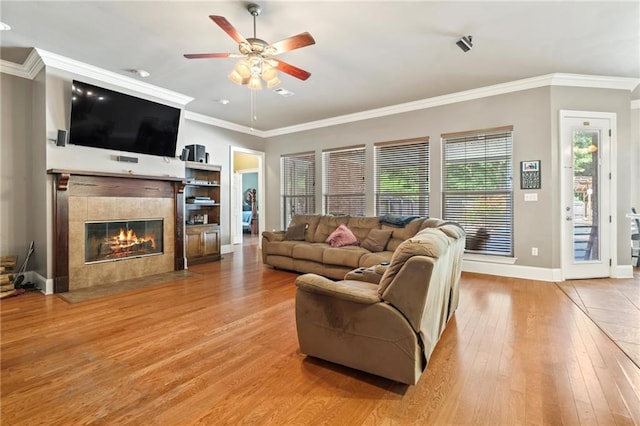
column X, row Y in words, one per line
column 532, row 273
column 43, row 284
column 622, row 271
column 226, row 248
column 512, row 271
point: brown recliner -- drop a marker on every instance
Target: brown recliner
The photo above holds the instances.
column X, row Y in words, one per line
column 389, row 329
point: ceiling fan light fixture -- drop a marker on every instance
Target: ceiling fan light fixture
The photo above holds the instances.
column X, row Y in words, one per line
column 273, row 82
column 255, row 83
column 236, row 77
column 243, row 69
column 268, row 72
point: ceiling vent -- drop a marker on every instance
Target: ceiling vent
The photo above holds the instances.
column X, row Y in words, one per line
column 283, row 92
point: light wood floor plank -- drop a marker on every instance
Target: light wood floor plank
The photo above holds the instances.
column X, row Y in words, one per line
column 221, row 348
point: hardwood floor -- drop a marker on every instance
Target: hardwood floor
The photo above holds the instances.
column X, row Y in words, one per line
column 614, row 305
column 221, row 348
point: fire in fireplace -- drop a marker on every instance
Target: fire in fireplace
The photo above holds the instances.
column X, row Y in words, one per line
column 117, row 240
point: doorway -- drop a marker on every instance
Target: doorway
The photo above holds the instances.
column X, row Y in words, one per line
column 247, row 202
column 587, row 196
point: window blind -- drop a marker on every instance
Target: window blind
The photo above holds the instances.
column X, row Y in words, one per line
column 402, row 178
column 298, row 175
column 477, row 188
column 343, row 178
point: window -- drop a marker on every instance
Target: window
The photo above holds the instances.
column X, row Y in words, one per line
column 298, row 184
column 402, row 177
column 477, row 190
column 344, row 181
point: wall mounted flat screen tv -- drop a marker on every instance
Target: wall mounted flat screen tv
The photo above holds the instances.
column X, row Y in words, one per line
column 102, row 118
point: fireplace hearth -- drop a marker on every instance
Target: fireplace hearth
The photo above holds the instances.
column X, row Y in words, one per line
column 118, row 240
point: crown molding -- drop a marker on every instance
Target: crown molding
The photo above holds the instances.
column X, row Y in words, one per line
column 28, row 69
column 201, row 118
column 80, row 68
column 556, row 79
column 39, row 58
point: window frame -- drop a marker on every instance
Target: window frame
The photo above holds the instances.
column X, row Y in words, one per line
column 492, row 204
column 334, row 181
column 418, row 147
column 307, row 194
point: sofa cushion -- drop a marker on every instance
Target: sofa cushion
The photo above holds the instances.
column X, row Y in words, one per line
column 326, row 226
column 361, row 225
column 371, row 259
column 376, row 240
column 312, row 223
column 296, row 232
column 401, row 234
column 309, row 251
column 281, row 248
column 341, row 237
column 428, row 242
column 345, row 256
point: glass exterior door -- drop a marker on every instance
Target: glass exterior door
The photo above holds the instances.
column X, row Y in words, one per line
column 586, row 220
column 586, row 206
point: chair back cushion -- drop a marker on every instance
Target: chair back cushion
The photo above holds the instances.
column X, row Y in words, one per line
column 429, row 242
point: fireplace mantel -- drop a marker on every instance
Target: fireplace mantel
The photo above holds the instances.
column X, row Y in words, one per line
column 69, row 183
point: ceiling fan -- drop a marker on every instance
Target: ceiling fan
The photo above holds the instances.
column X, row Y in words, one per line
column 258, row 62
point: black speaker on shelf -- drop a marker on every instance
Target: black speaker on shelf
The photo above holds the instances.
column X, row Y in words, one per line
column 185, row 154
column 197, row 153
column 62, row 138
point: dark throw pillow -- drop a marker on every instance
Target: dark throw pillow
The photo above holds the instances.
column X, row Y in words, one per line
column 295, row 232
column 376, row 240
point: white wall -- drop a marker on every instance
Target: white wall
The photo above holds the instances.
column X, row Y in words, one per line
column 32, row 112
column 635, row 156
column 527, row 111
column 534, row 115
column 15, row 170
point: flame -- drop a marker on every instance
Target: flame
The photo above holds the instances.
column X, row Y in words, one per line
column 127, row 237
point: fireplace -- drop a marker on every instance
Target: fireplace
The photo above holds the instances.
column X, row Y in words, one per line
column 102, row 218
column 117, row 240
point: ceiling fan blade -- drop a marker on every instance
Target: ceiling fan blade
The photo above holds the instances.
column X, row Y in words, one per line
column 294, row 42
column 290, row 69
column 228, row 28
column 206, row 55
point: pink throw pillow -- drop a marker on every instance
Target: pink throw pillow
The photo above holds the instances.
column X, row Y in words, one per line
column 342, row 236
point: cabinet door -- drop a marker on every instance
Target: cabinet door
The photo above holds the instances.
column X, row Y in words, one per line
column 210, row 242
column 194, row 244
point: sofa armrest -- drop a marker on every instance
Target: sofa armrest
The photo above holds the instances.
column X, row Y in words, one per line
column 352, row 291
column 273, row 236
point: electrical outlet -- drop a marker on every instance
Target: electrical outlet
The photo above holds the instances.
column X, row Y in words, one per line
column 534, row 251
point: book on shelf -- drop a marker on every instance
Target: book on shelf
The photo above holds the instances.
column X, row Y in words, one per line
column 200, row 200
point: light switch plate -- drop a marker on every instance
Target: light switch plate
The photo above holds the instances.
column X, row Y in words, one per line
column 531, row 196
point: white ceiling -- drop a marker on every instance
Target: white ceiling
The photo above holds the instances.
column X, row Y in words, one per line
column 367, row 54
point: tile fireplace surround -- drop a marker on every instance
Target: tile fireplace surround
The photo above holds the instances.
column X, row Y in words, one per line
column 82, row 197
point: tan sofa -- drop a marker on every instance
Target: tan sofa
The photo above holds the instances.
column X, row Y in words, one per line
column 388, row 328
column 314, row 255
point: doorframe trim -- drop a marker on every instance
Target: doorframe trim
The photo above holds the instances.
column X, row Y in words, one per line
column 613, row 183
column 261, row 186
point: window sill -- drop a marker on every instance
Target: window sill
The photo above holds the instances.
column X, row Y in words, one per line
column 489, row 259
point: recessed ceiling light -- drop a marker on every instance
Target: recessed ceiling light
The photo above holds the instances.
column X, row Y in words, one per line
column 139, row 73
column 4, row 27
column 223, row 101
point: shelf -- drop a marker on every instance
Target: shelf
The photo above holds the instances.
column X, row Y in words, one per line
column 213, row 185
column 202, row 205
column 202, row 240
